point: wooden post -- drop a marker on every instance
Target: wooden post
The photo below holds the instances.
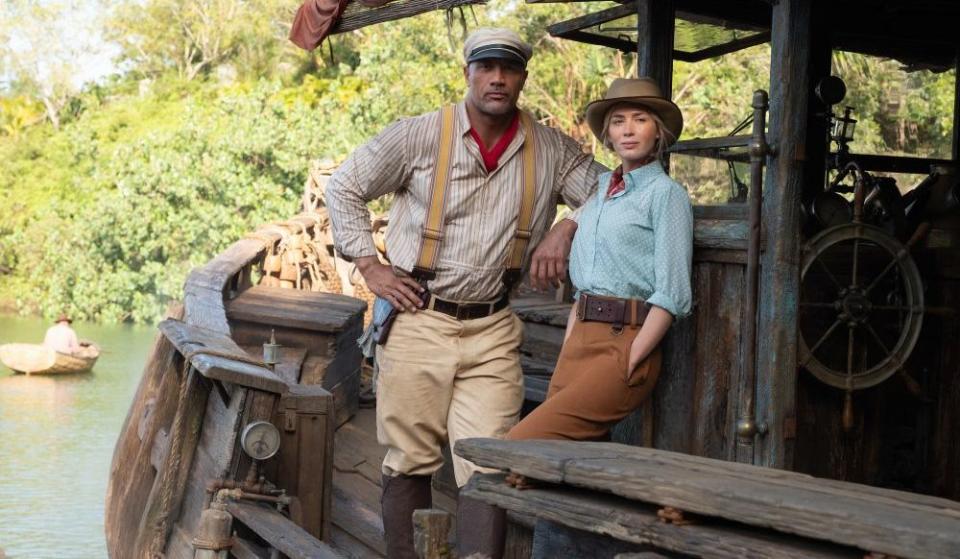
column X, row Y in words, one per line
column 780, row 261
column 431, row 528
column 655, row 27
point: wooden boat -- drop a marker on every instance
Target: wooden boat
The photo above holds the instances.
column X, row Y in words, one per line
column 37, row 359
column 717, row 439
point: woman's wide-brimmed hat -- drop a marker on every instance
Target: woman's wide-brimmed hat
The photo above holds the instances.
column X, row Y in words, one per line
column 64, row 318
column 643, row 91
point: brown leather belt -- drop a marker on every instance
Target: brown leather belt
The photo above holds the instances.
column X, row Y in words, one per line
column 467, row 311
column 594, row 308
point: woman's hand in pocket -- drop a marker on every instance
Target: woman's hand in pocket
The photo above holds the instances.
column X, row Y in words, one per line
column 657, row 323
column 638, row 352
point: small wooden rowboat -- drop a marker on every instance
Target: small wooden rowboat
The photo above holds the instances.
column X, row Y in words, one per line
column 36, row 359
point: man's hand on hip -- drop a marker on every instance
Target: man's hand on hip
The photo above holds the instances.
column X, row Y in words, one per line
column 548, row 265
column 400, row 291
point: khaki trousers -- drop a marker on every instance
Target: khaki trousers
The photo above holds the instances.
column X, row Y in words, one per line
column 442, row 380
column 591, row 389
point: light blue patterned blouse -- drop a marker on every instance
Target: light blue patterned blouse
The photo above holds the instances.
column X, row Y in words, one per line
column 638, row 244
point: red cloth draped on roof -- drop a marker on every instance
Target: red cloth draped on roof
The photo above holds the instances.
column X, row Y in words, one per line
column 313, row 22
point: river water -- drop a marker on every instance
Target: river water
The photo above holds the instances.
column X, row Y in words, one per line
column 56, row 442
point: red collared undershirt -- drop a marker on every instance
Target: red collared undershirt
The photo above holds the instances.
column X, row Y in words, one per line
column 492, row 157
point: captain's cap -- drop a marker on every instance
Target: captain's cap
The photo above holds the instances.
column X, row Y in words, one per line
column 496, row 42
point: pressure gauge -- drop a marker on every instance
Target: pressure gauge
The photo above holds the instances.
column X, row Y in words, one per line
column 260, row 440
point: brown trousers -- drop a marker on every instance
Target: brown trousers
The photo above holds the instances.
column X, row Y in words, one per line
column 591, row 389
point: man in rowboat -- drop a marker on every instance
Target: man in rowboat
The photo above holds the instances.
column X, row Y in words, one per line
column 61, row 337
column 476, row 188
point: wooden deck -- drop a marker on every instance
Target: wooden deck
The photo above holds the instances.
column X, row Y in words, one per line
column 357, row 530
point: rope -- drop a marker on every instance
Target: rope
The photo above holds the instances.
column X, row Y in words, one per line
column 170, row 469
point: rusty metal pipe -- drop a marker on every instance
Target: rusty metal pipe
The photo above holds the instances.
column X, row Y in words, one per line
column 747, row 427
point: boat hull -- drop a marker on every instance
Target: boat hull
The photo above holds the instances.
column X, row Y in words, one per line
column 35, row 359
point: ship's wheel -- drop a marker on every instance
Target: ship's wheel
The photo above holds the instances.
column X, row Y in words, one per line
column 861, row 303
column 861, row 306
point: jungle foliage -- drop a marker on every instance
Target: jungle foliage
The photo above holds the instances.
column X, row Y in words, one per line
column 209, row 129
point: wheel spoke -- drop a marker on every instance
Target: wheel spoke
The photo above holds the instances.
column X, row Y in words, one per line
column 823, row 338
column 876, row 338
column 829, row 274
column 901, row 308
column 856, row 261
column 897, row 258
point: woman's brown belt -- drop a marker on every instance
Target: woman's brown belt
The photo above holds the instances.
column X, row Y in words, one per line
column 594, row 308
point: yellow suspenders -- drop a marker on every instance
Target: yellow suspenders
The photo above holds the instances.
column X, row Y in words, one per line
column 433, row 224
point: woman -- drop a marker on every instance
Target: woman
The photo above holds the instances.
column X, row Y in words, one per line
column 630, row 264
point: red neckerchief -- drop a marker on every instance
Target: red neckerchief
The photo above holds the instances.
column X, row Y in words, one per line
column 617, row 185
column 492, row 157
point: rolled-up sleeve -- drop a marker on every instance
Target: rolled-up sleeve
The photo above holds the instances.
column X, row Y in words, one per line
column 672, row 220
column 374, row 169
column 577, row 179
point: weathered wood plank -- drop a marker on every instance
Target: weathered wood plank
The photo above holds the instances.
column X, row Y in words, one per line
column 720, row 256
column 635, row 522
column 541, row 310
column 344, row 542
column 874, row 519
column 280, row 532
column 431, row 530
column 542, row 342
column 306, row 421
column 222, row 367
column 323, row 312
column 671, row 416
column 346, row 398
column 552, row 539
column 132, row 475
column 356, row 16
column 356, row 510
column 719, row 289
column 242, row 549
column 519, row 540
column 775, row 403
column 724, row 234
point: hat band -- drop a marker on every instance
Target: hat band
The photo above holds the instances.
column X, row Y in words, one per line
column 508, row 52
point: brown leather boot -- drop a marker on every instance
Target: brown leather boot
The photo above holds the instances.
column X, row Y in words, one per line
column 401, row 496
column 481, row 529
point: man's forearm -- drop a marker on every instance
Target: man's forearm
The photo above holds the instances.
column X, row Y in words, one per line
column 364, row 263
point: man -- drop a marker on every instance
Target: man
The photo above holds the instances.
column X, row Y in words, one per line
column 61, row 337
column 450, row 368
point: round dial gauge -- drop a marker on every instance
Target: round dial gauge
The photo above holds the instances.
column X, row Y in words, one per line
column 260, row 440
